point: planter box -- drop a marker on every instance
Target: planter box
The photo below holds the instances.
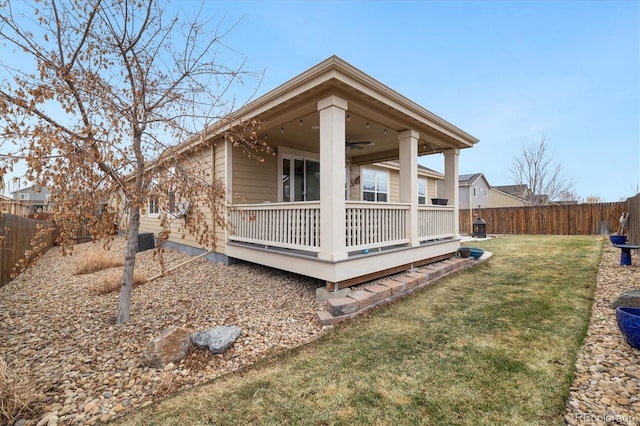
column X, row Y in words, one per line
column 439, row 201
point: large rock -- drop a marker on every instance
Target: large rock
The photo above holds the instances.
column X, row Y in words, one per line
column 216, row 339
column 170, row 347
column 628, row 298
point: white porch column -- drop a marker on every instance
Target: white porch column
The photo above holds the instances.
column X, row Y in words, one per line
column 408, row 141
column 451, row 188
column 332, row 178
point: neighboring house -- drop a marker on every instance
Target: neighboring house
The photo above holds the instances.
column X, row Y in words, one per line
column 498, row 198
column 474, row 191
column 477, row 193
column 34, row 199
column 519, row 191
column 326, row 207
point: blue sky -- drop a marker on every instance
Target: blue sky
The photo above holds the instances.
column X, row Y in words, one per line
column 507, row 72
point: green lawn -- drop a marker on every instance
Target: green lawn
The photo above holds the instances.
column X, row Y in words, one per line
column 493, row 345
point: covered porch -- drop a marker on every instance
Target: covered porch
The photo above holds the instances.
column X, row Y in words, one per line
column 330, row 217
column 376, row 240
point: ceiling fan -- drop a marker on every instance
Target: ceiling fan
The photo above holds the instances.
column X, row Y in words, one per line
column 349, row 144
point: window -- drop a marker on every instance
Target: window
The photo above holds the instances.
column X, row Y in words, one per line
column 375, row 185
column 24, row 197
column 475, row 192
column 300, row 179
column 422, row 191
column 154, row 208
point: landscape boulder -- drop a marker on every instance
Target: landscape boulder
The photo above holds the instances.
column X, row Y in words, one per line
column 169, row 347
column 629, row 298
column 216, row 339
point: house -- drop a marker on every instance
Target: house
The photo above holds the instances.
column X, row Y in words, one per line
column 520, row 191
column 477, row 193
column 498, row 198
column 33, row 199
column 343, row 200
column 474, row 191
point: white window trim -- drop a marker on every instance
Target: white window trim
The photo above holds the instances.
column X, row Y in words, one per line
column 24, row 196
column 157, row 207
column 425, row 190
column 375, row 171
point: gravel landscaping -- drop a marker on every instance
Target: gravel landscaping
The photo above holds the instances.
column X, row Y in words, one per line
column 87, row 370
column 607, row 383
column 55, row 328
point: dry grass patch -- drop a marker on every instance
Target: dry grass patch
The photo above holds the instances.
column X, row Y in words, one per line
column 16, row 394
column 97, row 261
column 110, row 282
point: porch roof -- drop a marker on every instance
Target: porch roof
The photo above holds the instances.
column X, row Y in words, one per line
column 376, row 113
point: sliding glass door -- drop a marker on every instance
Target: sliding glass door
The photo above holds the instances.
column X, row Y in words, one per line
column 300, row 179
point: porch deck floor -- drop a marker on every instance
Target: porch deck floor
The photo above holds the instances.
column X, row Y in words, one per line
column 352, row 301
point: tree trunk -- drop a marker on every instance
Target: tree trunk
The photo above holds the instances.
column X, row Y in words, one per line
column 126, row 284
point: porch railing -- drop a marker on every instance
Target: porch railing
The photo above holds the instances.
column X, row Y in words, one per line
column 296, row 225
column 287, row 225
column 374, row 225
column 435, row 222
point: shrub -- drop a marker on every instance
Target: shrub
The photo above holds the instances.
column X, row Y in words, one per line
column 111, row 282
column 16, row 394
column 97, row 261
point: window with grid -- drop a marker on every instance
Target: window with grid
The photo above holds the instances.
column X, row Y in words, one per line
column 154, row 206
column 375, row 185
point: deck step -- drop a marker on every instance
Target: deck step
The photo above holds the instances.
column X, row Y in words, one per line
column 346, row 305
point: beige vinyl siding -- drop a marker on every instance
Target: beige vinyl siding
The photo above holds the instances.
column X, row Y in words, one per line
column 202, row 159
column 254, row 181
column 219, row 171
column 432, row 189
column 394, row 186
column 354, row 183
column 500, row 199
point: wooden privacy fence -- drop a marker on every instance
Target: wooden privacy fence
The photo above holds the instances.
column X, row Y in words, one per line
column 16, row 235
column 632, row 205
column 572, row 219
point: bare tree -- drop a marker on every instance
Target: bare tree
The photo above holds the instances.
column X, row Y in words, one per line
column 593, row 199
column 93, row 94
column 544, row 178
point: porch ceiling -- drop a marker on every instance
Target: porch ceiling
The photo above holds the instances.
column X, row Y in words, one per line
column 295, row 124
column 375, row 113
